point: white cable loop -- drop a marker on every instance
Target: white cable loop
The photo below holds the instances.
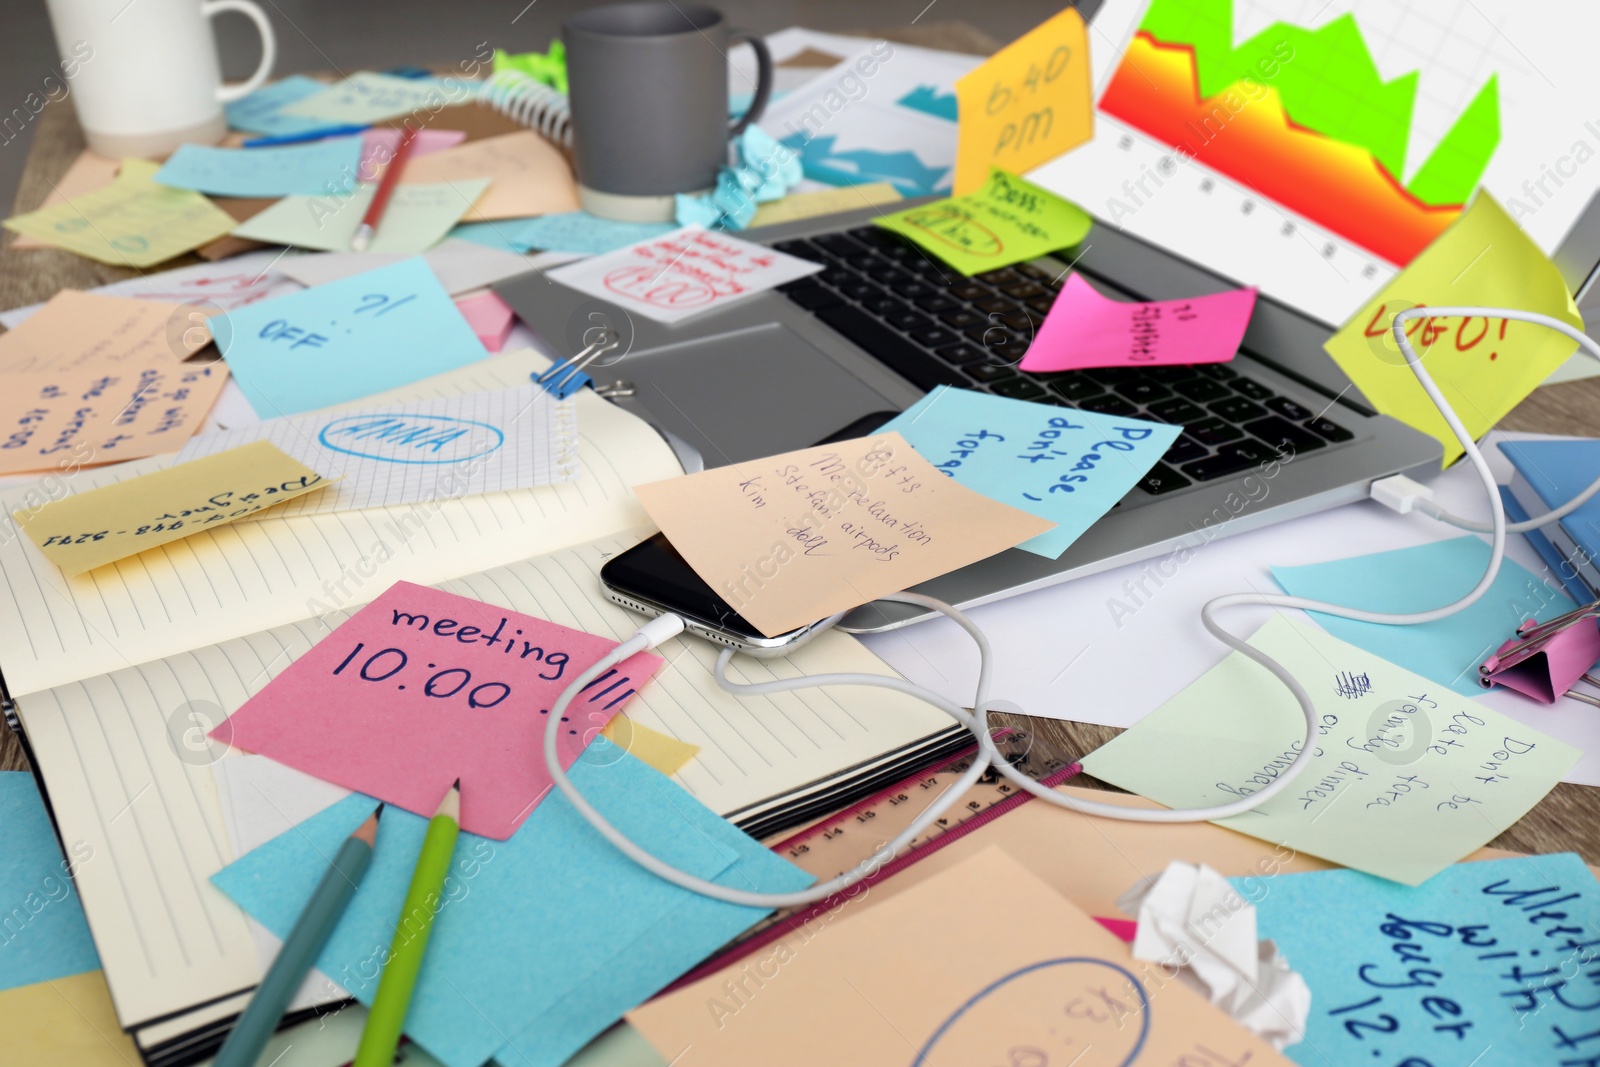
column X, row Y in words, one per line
column 977, row 721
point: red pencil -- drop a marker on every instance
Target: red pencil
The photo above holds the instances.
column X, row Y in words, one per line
column 380, row 200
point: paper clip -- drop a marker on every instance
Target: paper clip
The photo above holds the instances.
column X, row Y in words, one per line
column 567, row 377
column 1546, row 659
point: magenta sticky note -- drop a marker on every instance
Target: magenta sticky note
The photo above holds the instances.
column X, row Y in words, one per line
column 490, row 318
column 422, row 687
column 378, row 147
column 1085, row 329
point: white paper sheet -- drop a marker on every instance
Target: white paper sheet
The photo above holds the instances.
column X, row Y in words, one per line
column 227, row 284
column 460, row 266
column 1112, row 647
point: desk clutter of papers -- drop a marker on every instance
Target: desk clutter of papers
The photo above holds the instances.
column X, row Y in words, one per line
column 293, row 532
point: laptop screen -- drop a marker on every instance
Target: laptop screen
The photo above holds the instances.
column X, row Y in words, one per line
column 1313, row 147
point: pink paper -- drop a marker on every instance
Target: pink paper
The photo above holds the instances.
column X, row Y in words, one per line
column 421, row 687
column 490, row 318
column 1085, row 329
column 378, row 147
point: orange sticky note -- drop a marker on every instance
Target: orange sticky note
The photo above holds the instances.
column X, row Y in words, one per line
column 1027, row 105
column 77, row 330
column 792, row 539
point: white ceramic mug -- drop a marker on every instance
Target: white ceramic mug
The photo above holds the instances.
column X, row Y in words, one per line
column 143, row 73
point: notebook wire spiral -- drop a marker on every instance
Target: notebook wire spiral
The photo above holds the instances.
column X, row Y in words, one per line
column 531, row 103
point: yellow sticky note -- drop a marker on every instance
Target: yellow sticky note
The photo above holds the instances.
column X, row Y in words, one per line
column 1030, row 102
column 824, row 202
column 100, row 526
column 65, row 1020
column 1484, row 367
column 133, row 222
column 665, row 754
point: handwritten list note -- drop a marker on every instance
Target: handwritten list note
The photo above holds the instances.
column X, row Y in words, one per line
column 683, row 273
column 421, row 687
column 133, row 222
column 95, row 414
column 417, row 218
column 794, row 538
column 1408, row 777
column 1085, row 329
column 366, row 97
column 1488, row 963
column 1028, row 103
column 100, row 526
column 1007, row 221
column 345, row 340
column 76, row 330
column 320, row 168
column 1069, row 467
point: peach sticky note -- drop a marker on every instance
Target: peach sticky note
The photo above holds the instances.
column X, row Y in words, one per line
column 77, row 330
column 927, row 978
column 490, row 318
column 792, row 539
column 422, row 687
column 100, row 526
column 95, row 414
column 527, row 175
column 1027, row 104
column 1085, row 329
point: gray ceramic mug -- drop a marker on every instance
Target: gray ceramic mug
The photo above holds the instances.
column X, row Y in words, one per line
column 649, row 90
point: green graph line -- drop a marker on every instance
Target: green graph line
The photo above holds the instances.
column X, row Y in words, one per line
column 1329, row 83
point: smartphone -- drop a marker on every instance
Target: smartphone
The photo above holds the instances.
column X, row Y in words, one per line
column 653, row 579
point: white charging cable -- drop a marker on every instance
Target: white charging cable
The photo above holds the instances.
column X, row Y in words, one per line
column 666, row 627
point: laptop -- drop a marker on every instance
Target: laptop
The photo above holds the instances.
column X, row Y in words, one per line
column 1274, row 434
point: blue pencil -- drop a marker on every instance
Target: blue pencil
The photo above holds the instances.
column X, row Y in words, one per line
column 301, row 138
column 301, row 948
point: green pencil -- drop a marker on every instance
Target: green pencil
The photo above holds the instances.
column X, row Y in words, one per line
column 387, row 1018
column 301, row 948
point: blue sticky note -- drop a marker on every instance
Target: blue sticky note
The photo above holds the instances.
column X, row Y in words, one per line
column 259, row 112
column 579, row 231
column 345, row 340
column 43, row 934
column 1419, row 579
column 1491, row 964
column 1068, row 466
column 543, row 940
column 320, row 168
column 503, row 234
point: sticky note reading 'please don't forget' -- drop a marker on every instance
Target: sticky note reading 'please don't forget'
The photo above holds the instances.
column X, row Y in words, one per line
column 795, row 538
column 421, row 687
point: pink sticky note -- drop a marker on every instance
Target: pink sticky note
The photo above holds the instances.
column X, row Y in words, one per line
column 378, row 146
column 1085, row 329
column 490, row 318
column 421, row 687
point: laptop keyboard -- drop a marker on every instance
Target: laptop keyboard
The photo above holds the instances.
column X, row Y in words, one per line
column 934, row 327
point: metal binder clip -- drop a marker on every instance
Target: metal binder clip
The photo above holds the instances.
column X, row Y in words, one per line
column 567, row 377
column 1546, row 659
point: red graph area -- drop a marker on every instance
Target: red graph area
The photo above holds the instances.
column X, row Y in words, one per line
column 1248, row 136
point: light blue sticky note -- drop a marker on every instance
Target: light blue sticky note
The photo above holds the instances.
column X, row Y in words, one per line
column 579, row 231
column 1491, row 964
column 543, row 940
column 345, row 340
column 1068, row 466
column 321, row 168
column 259, row 112
column 1419, row 579
column 501, row 234
column 43, row 934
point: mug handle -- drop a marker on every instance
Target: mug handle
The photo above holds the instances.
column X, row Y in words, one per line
column 269, row 46
column 763, row 79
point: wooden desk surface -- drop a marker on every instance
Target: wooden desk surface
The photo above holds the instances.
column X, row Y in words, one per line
column 1567, row 820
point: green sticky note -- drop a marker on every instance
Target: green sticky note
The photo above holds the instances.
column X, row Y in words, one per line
column 1408, row 777
column 1008, row 221
column 417, row 218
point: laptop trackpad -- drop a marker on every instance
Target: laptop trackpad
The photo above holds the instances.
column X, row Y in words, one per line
column 743, row 395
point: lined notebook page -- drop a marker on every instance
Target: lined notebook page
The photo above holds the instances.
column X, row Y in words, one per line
column 245, row 577
column 122, row 777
